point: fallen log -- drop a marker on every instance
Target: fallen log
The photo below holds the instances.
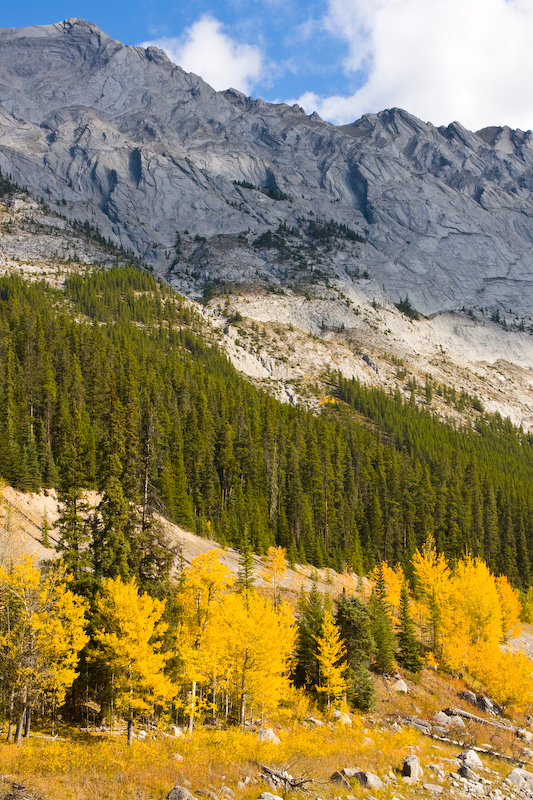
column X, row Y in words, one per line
column 286, row 780
column 458, row 712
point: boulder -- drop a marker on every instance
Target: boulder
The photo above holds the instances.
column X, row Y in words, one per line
column 142, row 735
column 420, row 725
column 268, row 735
column 520, row 779
column 442, row 718
column 180, row 793
column 400, row 686
column 338, row 777
column 484, row 703
column 369, row 780
column 470, row 697
column 457, row 722
column 175, row 730
column 317, row 723
column 269, row 796
column 471, row 759
column 434, row 788
column 411, row 767
column 526, row 754
column 466, row 772
column 342, row 717
column 351, row 772
column 527, row 736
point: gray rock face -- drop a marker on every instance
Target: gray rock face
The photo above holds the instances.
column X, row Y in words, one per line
column 146, row 152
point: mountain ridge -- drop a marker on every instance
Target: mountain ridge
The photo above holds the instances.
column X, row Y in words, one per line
column 122, row 137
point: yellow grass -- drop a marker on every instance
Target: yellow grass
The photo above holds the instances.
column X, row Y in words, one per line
column 101, row 767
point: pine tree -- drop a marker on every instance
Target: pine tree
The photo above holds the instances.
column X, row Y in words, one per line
column 382, row 628
column 354, row 624
column 245, row 574
column 408, row 654
column 311, row 615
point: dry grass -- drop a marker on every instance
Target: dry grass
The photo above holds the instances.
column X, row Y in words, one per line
column 101, row 767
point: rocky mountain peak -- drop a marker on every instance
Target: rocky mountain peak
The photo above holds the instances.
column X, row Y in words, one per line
column 216, row 186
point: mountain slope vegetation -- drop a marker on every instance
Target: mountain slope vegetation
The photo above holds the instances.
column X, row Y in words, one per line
column 110, row 385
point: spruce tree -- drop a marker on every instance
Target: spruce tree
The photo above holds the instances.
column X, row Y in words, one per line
column 382, row 629
column 354, row 624
column 408, row 654
column 245, row 574
column 311, row 615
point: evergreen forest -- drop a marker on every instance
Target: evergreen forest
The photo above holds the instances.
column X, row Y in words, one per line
column 111, row 384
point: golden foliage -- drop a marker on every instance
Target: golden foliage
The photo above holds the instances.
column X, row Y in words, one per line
column 510, row 606
column 128, row 643
column 507, row 677
column 471, row 614
column 42, row 630
column 330, row 652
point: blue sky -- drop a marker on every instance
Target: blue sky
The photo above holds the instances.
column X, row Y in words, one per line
column 443, row 60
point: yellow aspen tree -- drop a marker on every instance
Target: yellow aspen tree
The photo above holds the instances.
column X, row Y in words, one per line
column 506, row 676
column 128, row 641
column 42, row 630
column 203, row 586
column 330, row 652
column 433, row 587
column 259, row 642
column 511, row 608
column 275, row 566
column 472, row 614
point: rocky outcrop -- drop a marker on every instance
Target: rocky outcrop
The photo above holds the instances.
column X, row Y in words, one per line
column 193, row 180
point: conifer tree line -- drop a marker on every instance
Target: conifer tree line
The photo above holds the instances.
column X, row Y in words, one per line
column 110, row 385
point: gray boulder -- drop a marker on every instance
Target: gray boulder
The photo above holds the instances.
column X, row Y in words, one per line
column 351, row 772
column 338, row 777
column 470, row 759
column 269, row 796
column 411, row 767
column 521, row 779
column 180, row 793
column 466, row 772
column 268, row 735
column 442, row 718
column 457, row 722
column 470, row 697
column 369, row 780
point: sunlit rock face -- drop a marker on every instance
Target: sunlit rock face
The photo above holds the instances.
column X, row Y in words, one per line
column 123, row 138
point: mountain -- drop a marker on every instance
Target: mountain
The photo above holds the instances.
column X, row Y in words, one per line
column 216, row 187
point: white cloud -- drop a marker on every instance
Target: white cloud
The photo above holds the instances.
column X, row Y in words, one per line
column 207, row 51
column 446, row 60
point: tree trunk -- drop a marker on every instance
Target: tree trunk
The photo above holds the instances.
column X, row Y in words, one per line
column 27, row 726
column 130, row 728
column 11, row 714
column 20, row 723
column 193, row 706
